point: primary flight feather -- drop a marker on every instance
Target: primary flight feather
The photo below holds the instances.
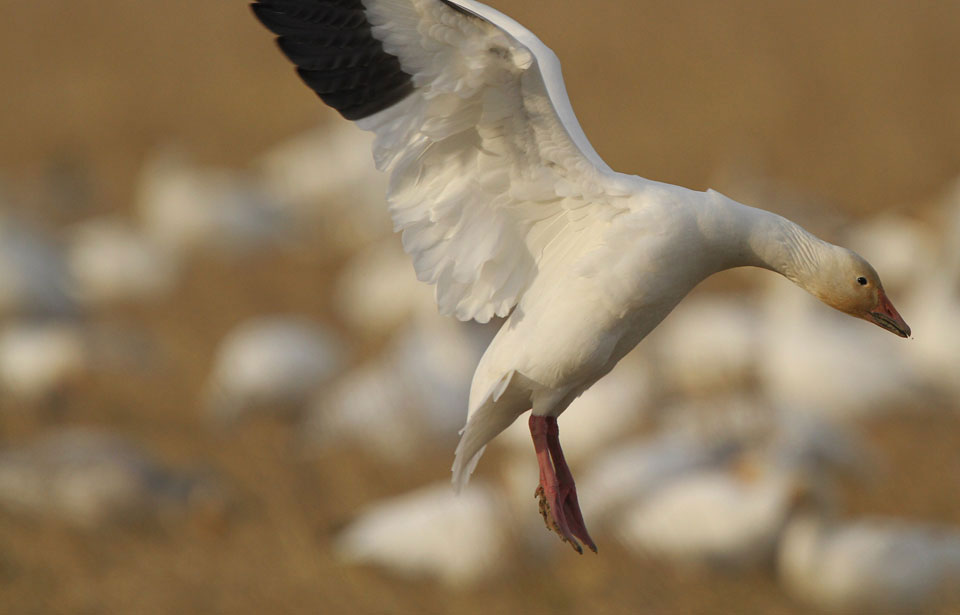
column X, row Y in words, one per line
column 504, row 205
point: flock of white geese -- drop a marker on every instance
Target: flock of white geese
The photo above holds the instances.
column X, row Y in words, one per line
column 718, row 443
column 748, row 408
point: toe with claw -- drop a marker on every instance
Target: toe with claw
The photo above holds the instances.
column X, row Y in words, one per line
column 557, row 492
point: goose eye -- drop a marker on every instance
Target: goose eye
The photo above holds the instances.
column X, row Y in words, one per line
column 862, row 281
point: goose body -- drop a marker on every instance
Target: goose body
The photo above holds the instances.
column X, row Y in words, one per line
column 429, row 532
column 605, row 412
column 710, row 518
column 709, row 345
column 505, row 206
column 870, row 565
column 88, row 479
column 34, row 279
column 636, row 470
column 728, row 504
column 376, row 292
column 112, row 263
column 801, row 346
column 38, row 360
column 406, row 391
column 273, row 363
column 184, row 208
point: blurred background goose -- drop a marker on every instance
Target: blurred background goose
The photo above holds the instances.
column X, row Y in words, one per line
column 272, row 364
column 870, row 564
column 432, row 532
column 89, row 479
column 34, row 277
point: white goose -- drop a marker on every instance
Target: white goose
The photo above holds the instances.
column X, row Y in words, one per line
column 430, row 532
column 273, row 363
column 114, row 263
column 712, row 518
column 89, row 478
column 508, row 210
column 870, row 564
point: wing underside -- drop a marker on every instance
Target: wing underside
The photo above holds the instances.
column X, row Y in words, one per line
column 488, row 167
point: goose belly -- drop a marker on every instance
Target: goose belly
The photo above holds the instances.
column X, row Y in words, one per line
column 565, row 342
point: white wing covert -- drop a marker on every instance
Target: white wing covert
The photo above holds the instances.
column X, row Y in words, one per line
column 487, row 163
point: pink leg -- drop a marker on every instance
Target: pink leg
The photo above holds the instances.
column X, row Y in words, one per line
column 557, row 492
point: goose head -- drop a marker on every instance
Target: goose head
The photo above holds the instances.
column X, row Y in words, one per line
column 847, row 282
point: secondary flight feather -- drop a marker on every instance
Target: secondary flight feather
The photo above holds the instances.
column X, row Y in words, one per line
column 487, row 162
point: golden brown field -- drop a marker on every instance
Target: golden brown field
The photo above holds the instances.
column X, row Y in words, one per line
column 856, row 103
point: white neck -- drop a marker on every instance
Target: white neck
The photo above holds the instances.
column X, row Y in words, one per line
column 748, row 236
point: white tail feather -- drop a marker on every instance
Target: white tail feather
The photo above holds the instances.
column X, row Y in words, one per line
column 495, row 413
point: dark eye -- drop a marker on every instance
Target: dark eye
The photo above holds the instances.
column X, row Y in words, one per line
column 862, row 281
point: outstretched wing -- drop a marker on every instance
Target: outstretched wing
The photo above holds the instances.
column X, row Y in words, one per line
column 488, row 165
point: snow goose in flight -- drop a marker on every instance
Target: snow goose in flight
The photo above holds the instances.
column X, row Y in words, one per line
column 508, row 210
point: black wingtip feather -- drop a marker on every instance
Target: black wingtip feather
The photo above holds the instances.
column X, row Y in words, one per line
column 336, row 54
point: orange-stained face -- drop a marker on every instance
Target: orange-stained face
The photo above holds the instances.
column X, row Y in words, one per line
column 852, row 286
